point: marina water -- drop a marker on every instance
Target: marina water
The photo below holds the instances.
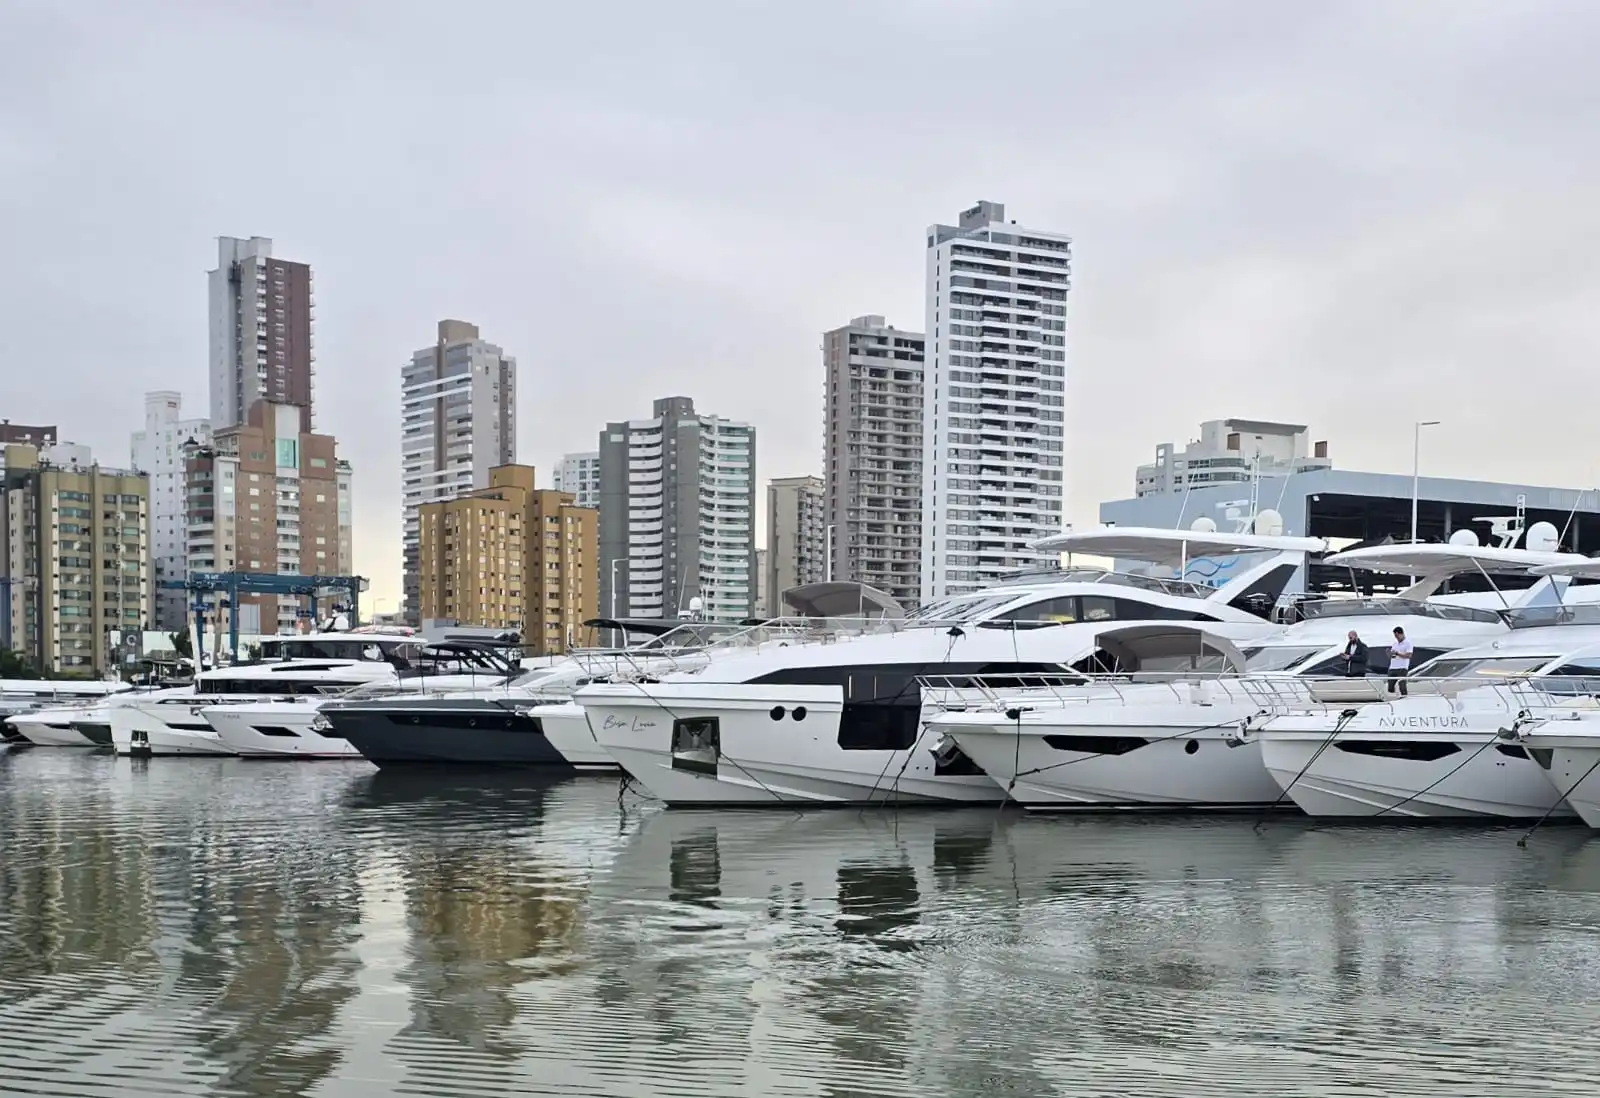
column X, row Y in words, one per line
column 226, row 927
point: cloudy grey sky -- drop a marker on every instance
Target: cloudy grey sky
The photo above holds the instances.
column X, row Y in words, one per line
column 1353, row 214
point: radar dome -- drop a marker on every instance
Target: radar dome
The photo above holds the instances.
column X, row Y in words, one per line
column 1542, row 537
column 696, row 604
column 1270, row 523
column 1464, row 537
column 1204, row 525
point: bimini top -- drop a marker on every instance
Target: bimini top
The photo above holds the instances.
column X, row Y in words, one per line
column 1171, row 547
column 841, row 600
column 1132, row 646
column 651, row 626
column 1437, row 559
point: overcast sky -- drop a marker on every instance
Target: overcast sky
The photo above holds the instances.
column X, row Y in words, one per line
column 1351, row 215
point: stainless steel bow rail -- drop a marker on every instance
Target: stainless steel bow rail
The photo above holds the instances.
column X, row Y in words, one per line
column 1271, row 695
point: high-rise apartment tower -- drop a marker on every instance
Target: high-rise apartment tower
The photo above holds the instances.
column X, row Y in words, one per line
column 158, row 452
column 261, row 343
column 458, row 410
column 994, row 411
column 872, row 455
column 677, row 515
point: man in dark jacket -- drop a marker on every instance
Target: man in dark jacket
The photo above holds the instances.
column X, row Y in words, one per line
column 1355, row 656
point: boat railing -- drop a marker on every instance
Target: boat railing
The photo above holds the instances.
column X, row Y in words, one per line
column 1275, row 694
column 688, row 647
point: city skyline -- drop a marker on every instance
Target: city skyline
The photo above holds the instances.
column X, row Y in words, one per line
column 1258, row 230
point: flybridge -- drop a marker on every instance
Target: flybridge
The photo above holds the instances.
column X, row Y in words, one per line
column 1172, row 547
column 1434, row 563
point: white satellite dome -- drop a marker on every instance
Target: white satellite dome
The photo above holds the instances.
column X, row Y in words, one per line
column 1270, row 523
column 1464, row 537
column 1204, row 525
column 1542, row 537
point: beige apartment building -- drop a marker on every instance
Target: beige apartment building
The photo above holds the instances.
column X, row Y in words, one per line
column 75, row 565
column 798, row 550
column 264, row 496
column 511, row 556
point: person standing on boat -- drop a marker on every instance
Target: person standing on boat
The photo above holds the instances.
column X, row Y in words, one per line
column 1355, row 656
column 1399, row 661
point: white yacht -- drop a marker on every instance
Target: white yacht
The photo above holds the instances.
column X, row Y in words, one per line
column 1164, row 731
column 287, row 727
column 169, row 722
column 1565, row 742
column 1450, row 749
column 21, row 698
column 839, row 721
column 53, row 726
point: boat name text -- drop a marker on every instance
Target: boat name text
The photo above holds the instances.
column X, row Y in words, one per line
column 1422, row 722
column 634, row 725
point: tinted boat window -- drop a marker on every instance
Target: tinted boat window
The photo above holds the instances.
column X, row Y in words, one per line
column 879, row 726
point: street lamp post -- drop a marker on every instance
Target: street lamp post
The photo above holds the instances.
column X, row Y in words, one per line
column 1416, row 469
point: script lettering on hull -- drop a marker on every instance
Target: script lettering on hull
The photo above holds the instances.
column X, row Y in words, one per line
column 634, row 725
column 1422, row 724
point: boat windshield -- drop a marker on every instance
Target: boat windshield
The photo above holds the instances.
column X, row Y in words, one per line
column 966, row 608
column 1278, row 657
column 1561, row 613
column 1395, row 607
column 1489, row 668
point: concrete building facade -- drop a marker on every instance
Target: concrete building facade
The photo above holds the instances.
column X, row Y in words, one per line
column 993, row 398
column 511, row 556
column 262, row 309
column 75, row 557
column 1232, row 451
column 765, row 607
column 159, row 452
column 458, row 411
column 872, row 454
column 797, row 534
column 345, row 485
column 264, row 497
column 579, row 475
column 677, row 515
column 18, row 433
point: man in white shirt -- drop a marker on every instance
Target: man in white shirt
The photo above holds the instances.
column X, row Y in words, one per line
column 1399, row 661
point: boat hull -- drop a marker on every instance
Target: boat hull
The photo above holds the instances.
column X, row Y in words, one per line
column 1461, row 774
column 49, row 728
column 97, row 732
column 765, row 745
column 275, row 731
column 1570, row 757
column 464, row 732
column 1145, row 761
column 148, row 729
column 566, row 726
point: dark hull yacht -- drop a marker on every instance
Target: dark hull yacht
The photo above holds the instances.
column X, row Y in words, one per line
column 492, row 732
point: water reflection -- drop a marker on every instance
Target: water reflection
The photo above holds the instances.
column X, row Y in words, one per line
column 224, row 927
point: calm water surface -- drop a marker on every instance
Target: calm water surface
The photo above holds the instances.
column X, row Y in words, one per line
column 221, row 927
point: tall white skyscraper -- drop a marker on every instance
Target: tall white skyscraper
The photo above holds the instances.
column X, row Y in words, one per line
column 579, row 474
column 677, row 515
column 261, row 346
column 993, row 398
column 458, row 414
column 158, row 452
